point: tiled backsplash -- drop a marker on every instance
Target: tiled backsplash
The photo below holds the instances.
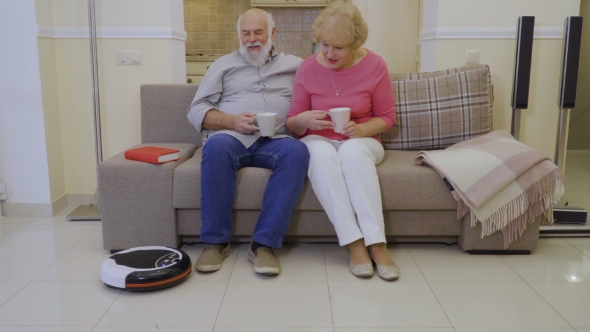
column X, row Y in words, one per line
column 211, row 27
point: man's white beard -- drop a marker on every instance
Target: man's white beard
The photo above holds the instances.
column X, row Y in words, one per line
column 256, row 59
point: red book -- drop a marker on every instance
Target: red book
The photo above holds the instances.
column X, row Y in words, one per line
column 152, row 154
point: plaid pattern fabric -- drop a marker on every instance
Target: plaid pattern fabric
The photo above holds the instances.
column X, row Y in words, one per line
column 438, row 109
column 509, row 183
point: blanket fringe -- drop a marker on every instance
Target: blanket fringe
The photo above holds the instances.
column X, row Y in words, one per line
column 513, row 217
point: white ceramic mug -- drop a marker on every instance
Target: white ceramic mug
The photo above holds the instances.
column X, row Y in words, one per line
column 340, row 116
column 266, row 123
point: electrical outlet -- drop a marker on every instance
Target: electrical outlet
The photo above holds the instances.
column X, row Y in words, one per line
column 135, row 58
column 129, row 57
column 471, row 56
column 122, row 58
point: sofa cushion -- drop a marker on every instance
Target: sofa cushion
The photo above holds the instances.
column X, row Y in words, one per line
column 404, row 186
column 438, row 109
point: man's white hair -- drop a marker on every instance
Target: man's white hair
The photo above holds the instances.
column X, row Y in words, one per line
column 269, row 21
column 257, row 59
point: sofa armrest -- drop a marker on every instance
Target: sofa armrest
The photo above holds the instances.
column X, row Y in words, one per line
column 136, row 200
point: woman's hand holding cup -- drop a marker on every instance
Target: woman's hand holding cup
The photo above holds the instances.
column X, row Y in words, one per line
column 313, row 120
column 352, row 130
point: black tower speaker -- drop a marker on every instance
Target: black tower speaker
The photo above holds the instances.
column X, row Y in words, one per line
column 522, row 67
column 572, row 39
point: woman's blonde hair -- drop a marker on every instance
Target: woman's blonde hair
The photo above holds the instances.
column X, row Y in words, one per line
column 341, row 24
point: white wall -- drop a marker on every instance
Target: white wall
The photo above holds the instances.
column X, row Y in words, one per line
column 504, row 13
column 490, row 26
column 46, row 122
column 23, row 156
column 579, row 133
column 393, row 31
column 145, row 25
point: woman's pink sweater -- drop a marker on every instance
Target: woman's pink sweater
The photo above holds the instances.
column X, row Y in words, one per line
column 368, row 92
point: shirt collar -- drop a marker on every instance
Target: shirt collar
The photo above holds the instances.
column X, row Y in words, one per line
column 273, row 54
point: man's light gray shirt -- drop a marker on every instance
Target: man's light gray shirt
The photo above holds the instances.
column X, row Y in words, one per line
column 233, row 86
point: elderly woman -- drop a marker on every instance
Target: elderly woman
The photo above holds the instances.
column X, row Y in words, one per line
column 342, row 165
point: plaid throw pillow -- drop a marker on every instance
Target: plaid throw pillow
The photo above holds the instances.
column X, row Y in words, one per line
column 438, row 109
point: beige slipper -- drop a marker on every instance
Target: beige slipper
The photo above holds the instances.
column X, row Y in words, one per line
column 264, row 261
column 211, row 258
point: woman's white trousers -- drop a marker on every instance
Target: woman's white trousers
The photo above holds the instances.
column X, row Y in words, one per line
column 344, row 178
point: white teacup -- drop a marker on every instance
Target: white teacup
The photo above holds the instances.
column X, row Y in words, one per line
column 266, row 123
column 340, row 116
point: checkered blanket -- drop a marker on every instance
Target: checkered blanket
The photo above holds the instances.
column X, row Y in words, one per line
column 501, row 182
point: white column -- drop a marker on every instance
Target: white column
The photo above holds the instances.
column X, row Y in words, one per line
column 23, row 152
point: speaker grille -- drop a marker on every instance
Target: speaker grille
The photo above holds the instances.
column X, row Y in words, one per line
column 522, row 66
column 572, row 40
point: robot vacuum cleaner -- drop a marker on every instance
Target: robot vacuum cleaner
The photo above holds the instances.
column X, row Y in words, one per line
column 145, row 268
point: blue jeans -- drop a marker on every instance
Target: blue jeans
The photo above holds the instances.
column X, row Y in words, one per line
column 223, row 155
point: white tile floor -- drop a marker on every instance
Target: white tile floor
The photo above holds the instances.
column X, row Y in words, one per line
column 49, row 282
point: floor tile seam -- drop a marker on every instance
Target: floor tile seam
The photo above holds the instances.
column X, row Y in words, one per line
column 18, row 222
column 510, row 266
column 85, row 236
column 501, row 328
column 237, row 254
column 68, row 248
column 271, row 326
column 328, row 286
column 549, row 304
column 45, row 325
column 377, row 280
column 578, row 249
column 474, row 281
column 16, row 230
column 284, row 281
column 432, row 291
column 418, row 266
column 13, row 295
column 226, row 287
column 440, row 305
column 106, row 311
column 54, row 262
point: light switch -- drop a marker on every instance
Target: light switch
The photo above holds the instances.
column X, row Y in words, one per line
column 122, row 58
column 135, row 58
column 471, row 56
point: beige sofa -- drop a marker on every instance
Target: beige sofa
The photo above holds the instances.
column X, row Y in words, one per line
column 146, row 204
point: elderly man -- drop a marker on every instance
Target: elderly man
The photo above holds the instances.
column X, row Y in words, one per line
column 236, row 87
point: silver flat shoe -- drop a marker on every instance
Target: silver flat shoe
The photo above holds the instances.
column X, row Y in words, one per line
column 363, row 270
column 386, row 272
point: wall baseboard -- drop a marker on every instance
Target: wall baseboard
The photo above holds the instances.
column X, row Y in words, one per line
column 46, row 209
column 113, row 33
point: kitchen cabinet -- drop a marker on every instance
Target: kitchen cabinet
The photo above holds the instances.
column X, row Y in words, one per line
column 196, row 67
column 290, row 3
column 194, row 79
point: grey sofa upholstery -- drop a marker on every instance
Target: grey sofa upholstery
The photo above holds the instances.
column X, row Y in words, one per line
column 145, row 204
